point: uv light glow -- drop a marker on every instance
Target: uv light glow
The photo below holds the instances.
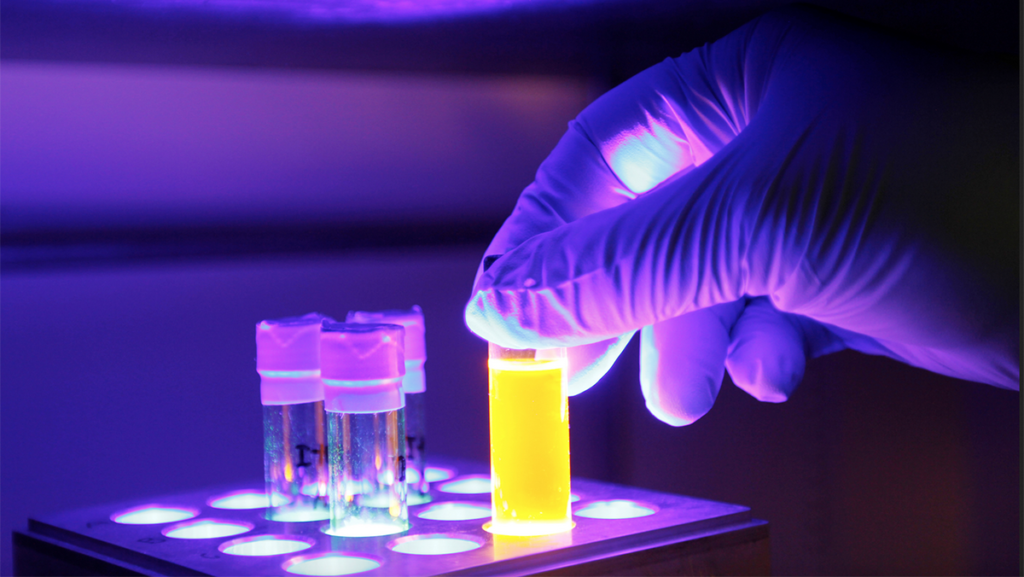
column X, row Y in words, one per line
column 435, row 544
column 616, row 509
column 153, row 515
column 438, row 474
column 412, row 476
column 454, row 511
column 264, row 545
column 206, row 529
column 383, row 500
column 330, row 564
column 298, row 514
column 249, row 499
column 364, row 530
column 468, row 485
column 529, row 414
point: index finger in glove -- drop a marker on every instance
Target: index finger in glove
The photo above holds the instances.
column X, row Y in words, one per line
column 662, row 122
column 676, row 249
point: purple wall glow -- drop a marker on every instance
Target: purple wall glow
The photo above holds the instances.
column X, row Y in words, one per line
column 101, row 145
column 361, row 11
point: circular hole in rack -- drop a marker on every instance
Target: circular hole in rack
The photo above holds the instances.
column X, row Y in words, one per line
column 206, row 529
column 380, row 500
column 435, row 544
column 297, row 514
column 455, row 511
column 468, row 485
column 616, row 509
column 329, row 564
column 415, row 498
column 412, row 476
column 153, row 514
column 244, row 499
column 385, row 501
column 438, row 474
column 264, row 545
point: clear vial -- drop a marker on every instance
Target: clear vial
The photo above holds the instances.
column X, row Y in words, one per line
column 294, row 443
column 295, row 461
column 367, row 492
column 362, row 369
column 414, row 385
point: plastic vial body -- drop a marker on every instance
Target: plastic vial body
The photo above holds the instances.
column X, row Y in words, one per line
column 294, row 461
column 529, row 416
column 294, row 445
column 414, row 385
column 364, row 403
column 367, row 473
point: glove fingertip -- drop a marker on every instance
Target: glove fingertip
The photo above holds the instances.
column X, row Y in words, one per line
column 769, row 380
column 678, row 414
column 589, row 363
column 766, row 357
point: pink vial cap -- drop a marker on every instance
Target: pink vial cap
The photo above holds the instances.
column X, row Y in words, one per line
column 410, row 319
column 361, row 352
column 289, row 344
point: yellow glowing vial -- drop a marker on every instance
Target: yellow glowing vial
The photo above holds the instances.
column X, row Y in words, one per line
column 529, row 411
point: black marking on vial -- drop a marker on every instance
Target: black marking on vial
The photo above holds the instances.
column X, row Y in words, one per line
column 152, row 540
column 400, row 465
column 302, row 454
column 92, row 524
column 208, row 555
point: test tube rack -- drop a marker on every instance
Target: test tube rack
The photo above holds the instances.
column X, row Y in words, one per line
column 658, row 533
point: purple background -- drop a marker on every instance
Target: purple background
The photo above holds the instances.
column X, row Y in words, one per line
column 129, row 379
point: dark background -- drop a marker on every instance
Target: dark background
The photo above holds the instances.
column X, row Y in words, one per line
column 171, row 173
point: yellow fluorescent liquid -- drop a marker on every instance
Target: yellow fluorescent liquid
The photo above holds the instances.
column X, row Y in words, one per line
column 529, row 414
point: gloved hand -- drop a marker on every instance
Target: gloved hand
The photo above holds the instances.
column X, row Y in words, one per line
column 803, row 185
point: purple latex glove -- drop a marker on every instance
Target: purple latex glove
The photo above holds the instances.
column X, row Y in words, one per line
column 801, row 186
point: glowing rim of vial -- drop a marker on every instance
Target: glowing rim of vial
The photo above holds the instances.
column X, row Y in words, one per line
column 242, row 495
column 463, row 505
column 436, row 537
column 530, row 528
column 469, row 480
column 612, row 505
column 243, row 525
column 190, row 513
column 287, row 565
column 223, row 547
